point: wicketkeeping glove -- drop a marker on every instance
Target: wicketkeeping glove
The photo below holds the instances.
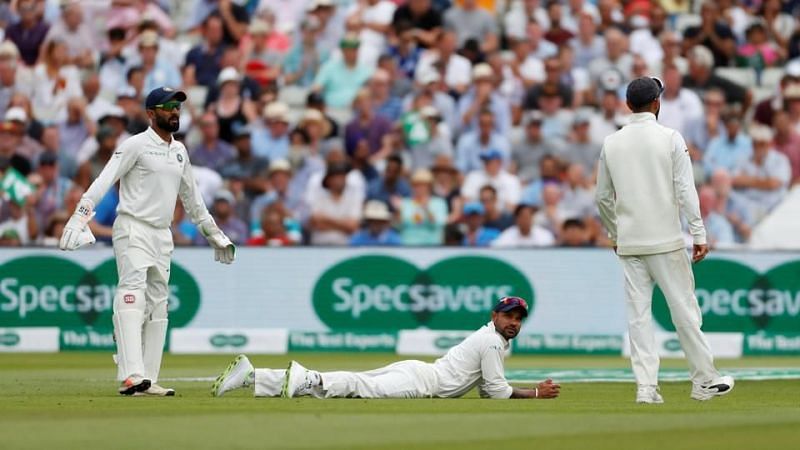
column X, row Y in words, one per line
column 224, row 250
column 76, row 231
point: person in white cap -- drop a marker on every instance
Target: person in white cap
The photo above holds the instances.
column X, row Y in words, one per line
column 157, row 71
column 644, row 185
column 8, row 73
column 272, row 140
column 377, row 230
column 153, row 171
column 481, row 97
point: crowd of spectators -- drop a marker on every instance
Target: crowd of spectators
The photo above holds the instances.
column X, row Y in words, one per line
column 395, row 122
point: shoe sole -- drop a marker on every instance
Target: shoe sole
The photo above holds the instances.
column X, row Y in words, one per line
column 169, row 393
column 645, row 402
column 218, row 382
column 285, row 385
column 143, row 386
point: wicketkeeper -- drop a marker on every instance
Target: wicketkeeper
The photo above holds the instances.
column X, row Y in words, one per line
column 477, row 361
column 153, row 170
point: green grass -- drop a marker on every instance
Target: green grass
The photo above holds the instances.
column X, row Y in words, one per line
column 68, row 401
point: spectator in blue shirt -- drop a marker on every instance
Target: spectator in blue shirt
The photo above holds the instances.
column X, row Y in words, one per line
column 474, row 143
column 157, row 71
column 272, row 142
column 476, row 234
column 729, row 149
column 406, row 53
column 205, row 57
column 483, row 96
column 377, row 230
column 380, row 89
column 392, row 187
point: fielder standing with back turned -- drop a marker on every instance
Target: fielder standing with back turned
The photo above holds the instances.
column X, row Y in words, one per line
column 153, row 170
column 644, row 184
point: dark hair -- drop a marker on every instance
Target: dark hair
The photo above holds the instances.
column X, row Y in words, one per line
column 490, row 188
column 573, row 223
column 522, row 207
column 213, row 15
column 132, row 71
column 116, row 34
column 395, row 158
column 303, row 134
column 453, row 235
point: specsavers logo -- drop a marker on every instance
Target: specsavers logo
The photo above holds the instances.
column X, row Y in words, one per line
column 228, row 340
column 388, row 293
column 9, row 339
column 734, row 297
column 51, row 291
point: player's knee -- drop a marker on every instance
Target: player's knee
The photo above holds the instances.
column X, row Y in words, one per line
column 160, row 311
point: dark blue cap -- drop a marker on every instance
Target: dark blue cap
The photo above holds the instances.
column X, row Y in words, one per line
column 644, row 90
column 507, row 304
column 159, row 96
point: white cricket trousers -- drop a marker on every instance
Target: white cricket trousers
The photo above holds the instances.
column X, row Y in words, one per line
column 404, row 379
column 673, row 273
column 140, row 302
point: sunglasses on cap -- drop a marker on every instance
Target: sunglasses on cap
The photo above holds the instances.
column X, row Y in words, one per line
column 508, row 303
column 169, row 106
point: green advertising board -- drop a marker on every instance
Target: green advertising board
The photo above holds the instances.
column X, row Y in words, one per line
column 53, row 291
column 375, row 292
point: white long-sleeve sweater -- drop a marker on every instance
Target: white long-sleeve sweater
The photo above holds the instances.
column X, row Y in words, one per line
column 644, row 184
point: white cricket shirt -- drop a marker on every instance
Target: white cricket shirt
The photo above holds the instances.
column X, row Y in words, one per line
column 644, row 182
column 152, row 174
column 476, row 361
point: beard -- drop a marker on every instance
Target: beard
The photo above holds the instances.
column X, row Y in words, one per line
column 167, row 124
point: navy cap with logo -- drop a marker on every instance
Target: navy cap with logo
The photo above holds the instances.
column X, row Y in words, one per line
column 643, row 91
column 507, row 304
column 161, row 95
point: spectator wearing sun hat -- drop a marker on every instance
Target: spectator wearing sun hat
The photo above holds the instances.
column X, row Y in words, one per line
column 422, row 216
column 484, row 96
column 271, row 141
column 377, row 229
column 158, row 71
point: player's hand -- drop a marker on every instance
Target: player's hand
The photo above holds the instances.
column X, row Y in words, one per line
column 224, row 250
column 76, row 231
column 548, row 389
column 699, row 251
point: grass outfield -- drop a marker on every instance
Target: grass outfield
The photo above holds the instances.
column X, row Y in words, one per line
column 68, row 401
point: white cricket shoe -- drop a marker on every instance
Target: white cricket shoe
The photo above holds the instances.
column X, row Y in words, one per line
column 719, row 386
column 649, row 395
column 133, row 384
column 155, row 391
column 238, row 374
column 299, row 381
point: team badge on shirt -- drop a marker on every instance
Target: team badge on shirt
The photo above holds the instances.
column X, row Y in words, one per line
column 180, row 157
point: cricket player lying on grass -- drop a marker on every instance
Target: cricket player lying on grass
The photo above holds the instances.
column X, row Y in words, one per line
column 477, row 361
